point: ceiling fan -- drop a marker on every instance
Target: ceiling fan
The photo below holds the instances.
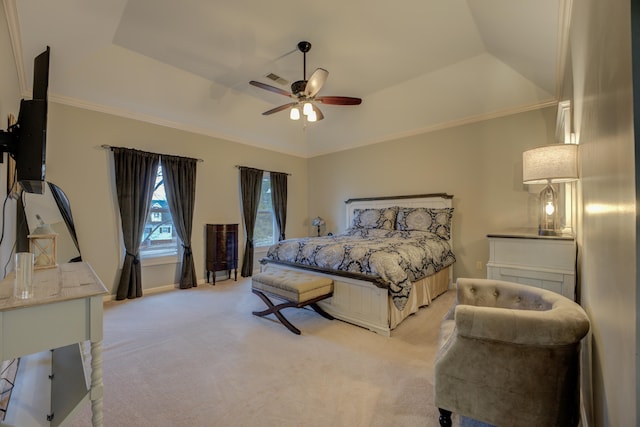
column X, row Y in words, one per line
column 305, row 92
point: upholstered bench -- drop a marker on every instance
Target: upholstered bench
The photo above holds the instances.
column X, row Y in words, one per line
column 296, row 288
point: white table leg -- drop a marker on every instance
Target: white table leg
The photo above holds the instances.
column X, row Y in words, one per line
column 96, row 393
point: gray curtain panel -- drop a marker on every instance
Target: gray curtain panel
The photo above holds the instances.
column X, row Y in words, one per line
column 250, row 186
column 135, row 178
column 279, row 200
column 180, row 187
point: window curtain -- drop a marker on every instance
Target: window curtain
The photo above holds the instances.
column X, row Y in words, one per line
column 279, row 200
column 180, row 185
column 135, row 173
column 250, row 186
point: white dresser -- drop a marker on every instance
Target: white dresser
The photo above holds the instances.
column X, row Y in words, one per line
column 522, row 256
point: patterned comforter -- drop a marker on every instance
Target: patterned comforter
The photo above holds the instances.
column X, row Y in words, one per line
column 394, row 258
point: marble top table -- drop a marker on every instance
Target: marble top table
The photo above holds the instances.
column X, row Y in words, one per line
column 66, row 309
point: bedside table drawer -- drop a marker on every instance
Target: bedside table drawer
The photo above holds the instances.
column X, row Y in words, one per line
column 556, row 282
column 543, row 262
column 552, row 254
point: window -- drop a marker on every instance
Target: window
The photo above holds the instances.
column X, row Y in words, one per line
column 264, row 232
column 159, row 237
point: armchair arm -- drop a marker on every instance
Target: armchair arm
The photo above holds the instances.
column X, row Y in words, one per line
column 565, row 323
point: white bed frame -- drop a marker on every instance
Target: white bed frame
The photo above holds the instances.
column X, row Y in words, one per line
column 359, row 301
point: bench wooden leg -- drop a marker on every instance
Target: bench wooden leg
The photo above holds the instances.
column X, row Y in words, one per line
column 321, row 312
column 275, row 309
column 445, row 418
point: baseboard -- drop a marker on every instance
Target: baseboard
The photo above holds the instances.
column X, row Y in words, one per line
column 154, row 290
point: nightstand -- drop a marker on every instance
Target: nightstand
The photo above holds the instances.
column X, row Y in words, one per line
column 522, row 256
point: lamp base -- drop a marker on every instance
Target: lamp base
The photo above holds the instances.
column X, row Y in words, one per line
column 548, row 220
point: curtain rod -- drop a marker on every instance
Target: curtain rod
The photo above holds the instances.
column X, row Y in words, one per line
column 109, row 147
column 239, row 166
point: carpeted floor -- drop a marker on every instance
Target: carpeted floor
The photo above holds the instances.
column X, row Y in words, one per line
column 199, row 358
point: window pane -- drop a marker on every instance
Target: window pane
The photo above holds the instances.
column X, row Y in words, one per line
column 264, row 230
column 159, row 237
column 265, row 195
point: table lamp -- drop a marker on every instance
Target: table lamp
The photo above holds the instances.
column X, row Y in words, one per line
column 549, row 164
column 317, row 222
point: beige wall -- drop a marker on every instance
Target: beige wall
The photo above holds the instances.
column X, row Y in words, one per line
column 9, row 103
column 480, row 164
column 9, row 86
column 600, row 88
column 84, row 171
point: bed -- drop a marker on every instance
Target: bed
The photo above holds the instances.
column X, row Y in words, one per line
column 395, row 256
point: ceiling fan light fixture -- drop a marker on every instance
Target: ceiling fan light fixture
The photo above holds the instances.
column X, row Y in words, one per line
column 307, row 108
column 312, row 116
column 294, row 114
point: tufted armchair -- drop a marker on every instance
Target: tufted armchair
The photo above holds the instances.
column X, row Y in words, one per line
column 509, row 356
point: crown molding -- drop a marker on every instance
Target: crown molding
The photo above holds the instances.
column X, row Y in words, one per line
column 120, row 112
column 450, row 124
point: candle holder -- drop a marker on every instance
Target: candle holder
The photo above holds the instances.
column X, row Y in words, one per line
column 44, row 250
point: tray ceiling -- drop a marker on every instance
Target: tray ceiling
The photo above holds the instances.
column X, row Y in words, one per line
column 423, row 66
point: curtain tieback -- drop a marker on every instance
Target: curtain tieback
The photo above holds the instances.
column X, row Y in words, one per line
column 187, row 250
column 136, row 259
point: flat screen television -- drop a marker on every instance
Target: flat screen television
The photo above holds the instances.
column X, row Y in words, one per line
column 26, row 141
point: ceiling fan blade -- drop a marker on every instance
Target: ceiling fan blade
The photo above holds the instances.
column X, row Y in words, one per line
column 339, row 100
column 315, row 82
column 270, row 88
column 319, row 115
column 280, row 108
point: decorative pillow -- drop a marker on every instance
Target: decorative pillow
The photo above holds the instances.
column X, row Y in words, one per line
column 436, row 221
column 384, row 218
